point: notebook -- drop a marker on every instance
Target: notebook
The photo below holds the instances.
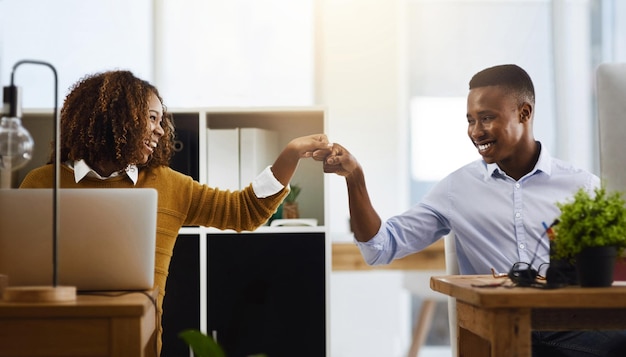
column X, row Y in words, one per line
column 106, row 238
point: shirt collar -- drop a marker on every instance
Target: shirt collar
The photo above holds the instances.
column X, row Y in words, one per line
column 82, row 170
column 544, row 164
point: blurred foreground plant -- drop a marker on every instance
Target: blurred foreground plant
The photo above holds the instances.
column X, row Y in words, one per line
column 203, row 345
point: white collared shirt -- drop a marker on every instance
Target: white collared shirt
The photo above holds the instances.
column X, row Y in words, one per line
column 82, row 170
column 264, row 185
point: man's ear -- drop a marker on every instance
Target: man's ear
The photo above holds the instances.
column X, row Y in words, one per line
column 526, row 111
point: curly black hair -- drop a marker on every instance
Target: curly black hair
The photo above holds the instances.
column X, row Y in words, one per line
column 104, row 118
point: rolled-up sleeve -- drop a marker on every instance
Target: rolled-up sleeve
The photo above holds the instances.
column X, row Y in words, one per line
column 265, row 184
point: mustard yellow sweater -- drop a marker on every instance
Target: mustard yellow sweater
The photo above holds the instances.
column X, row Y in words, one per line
column 181, row 201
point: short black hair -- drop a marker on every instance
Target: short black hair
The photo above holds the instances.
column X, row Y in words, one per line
column 510, row 76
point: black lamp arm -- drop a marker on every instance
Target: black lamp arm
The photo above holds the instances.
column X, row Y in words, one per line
column 55, row 185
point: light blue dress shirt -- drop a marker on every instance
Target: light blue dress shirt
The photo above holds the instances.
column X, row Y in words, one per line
column 497, row 220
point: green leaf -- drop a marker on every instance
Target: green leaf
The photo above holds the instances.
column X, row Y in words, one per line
column 293, row 193
column 590, row 221
column 201, row 344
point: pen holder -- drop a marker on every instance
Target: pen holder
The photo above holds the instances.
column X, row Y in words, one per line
column 561, row 272
column 290, row 210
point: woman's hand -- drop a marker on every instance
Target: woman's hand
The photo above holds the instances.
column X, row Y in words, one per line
column 301, row 147
column 306, row 146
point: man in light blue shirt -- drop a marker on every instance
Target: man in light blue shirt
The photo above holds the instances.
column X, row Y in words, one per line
column 497, row 219
column 496, row 206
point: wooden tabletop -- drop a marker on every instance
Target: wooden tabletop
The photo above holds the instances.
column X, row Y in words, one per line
column 87, row 304
column 347, row 257
column 463, row 288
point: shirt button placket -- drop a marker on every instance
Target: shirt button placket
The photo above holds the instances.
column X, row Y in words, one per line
column 519, row 221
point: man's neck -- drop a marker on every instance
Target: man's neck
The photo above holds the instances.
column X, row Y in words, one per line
column 522, row 164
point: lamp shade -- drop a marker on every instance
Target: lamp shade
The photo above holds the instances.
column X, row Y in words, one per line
column 16, row 143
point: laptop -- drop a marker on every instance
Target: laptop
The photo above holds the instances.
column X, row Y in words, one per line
column 106, row 242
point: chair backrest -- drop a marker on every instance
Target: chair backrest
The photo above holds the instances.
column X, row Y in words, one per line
column 611, row 89
column 611, row 92
column 452, row 263
column 452, row 268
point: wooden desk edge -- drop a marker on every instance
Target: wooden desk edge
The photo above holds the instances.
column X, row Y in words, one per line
column 130, row 303
column 571, row 297
column 347, row 257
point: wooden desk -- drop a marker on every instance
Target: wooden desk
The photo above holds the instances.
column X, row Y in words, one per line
column 498, row 321
column 347, row 257
column 121, row 325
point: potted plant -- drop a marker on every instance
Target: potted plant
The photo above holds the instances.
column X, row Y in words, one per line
column 290, row 206
column 591, row 226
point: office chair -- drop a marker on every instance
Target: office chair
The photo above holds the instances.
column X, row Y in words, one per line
column 611, row 101
column 452, row 268
column 611, row 96
column 419, row 284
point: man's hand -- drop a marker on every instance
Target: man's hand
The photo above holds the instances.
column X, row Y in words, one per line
column 364, row 220
column 337, row 160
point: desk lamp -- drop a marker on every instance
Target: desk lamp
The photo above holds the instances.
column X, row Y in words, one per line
column 16, row 147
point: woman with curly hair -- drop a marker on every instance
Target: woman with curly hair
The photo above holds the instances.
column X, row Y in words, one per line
column 115, row 133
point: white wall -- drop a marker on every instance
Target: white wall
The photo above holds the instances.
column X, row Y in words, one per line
column 241, row 53
column 361, row 79
column 370, row 314
column 77, row 37
column 619, row 13
column 574, row 105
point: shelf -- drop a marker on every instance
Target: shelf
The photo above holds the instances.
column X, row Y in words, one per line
column 266, row 229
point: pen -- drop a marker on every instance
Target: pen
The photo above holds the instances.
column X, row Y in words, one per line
column 548, row 230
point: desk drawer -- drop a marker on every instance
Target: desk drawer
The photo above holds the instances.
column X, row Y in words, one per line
column 52, row 337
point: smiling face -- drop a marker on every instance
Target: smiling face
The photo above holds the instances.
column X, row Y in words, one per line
column 498, row 125
column 155, row 130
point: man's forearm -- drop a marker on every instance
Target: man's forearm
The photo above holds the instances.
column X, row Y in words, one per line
column 364, row 220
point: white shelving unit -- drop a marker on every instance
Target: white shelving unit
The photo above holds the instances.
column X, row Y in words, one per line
column 192, row 127
column 288, row 123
